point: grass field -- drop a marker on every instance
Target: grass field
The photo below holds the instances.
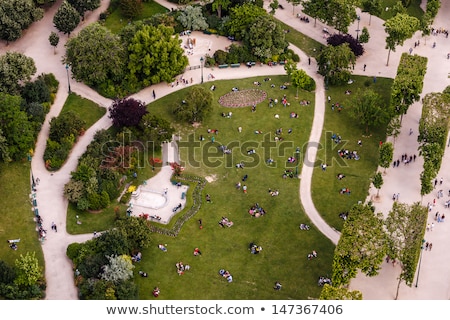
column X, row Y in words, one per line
column 86, row 109
column 413, row 10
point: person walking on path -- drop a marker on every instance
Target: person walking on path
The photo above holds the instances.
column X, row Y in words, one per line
column 154, row 95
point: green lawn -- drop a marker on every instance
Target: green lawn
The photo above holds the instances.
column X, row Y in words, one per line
column 413, row 10
column 16, row 220
column 86, row 109
column 325, row 186
column 310, row 46
column 115, row 20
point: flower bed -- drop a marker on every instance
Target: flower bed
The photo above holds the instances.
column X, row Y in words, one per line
column 242, row 98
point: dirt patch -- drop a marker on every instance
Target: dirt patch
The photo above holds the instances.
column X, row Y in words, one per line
column 211, row 178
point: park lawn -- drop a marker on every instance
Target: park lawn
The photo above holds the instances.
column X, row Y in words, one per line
column 285, row 247
column 16, row 220
column 308, row 45
column 325, row 186
column 86, row 109
column 413, row 10
column 116, row 21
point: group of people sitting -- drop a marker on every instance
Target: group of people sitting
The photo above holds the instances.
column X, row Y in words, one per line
column 162, row 247
column 225, row 149
column 304, row 226
column 178, row 207
column 227, row 114
column 274, row 193
column 336, row 138
column 323, row 280
column 340, row 176
column 305, row 102
column 254, row 248
column 136, row 257
column 312, row 255
column 345, row 191
column 256, row 211
column 226, row 274
column 197, row 252
column 288, row 173
column 181, row 268
column 291, row 159
column 343, row 215
column 347, row 154
column 225, row 222
column 293, row 115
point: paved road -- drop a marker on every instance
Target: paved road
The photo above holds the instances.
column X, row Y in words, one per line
column 53, row 206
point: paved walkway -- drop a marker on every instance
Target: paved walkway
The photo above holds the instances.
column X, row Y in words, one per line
column 58, row 270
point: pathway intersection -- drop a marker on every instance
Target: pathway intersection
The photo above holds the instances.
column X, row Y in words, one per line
column 434, row 276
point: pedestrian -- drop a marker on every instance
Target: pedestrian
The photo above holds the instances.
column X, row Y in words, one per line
column 398, row 162
column 309, row 60
column 364, row 68
column 165, row 191
column 430, row 246
column 37, row 181
column 428, row 227
column 154, row 94
column 441, row 180
column 426, row 246
column 410, row 131
column 432, row 226
column 53, row 226
column 410, row 50
column 414, row 157
column 398, row 195
column 435, row 182
column 208, row 198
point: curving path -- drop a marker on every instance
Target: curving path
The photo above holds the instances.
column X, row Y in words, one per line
column 53, row 206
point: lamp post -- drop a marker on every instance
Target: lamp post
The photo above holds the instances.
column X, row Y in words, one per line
column 68, row 79
column 201, row 67
column 357, row 29
column 297, row 157
column 420, row 262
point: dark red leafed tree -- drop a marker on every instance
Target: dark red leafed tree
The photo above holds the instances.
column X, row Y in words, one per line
column 127, row 112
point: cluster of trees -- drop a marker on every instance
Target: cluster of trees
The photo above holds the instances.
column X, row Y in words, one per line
column 16, row 16
column 338, row 39
column 335, row 63
column 64, row 131
column 104, row 268
column 367, row 238
column 119, row 64
column 195, row 106
column 24, row 280
column 71, row 12
column 433, row 130
column 23, row 104
column 97, row 179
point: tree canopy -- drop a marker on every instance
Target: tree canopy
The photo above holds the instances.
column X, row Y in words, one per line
column 335, row 63
column 367, row 110
column 386, row 154
column 84, row 5
column 15, row 67
column 191, row 18
column 127, row 112
column 155, row 55
column 241, row 17
column 17, row 15
column 96, row 55
column 372, row 7
column 66, row 18
column 195, row 106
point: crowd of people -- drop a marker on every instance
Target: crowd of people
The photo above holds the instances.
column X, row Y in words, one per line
column 256, row 211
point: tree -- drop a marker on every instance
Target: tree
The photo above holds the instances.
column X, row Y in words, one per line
column 84, row 5
column 15, row 16
column 362, row 245
column 386, row 154
column 131, row 8
column 54, row 40
column 15, row 67
column 154, row 129
column 195, row 106
column 66, row 18
column 273, row 6
column 340, row 14
column 372, row 7
column 365, row 36
column 393, row 128
column 405, row 227
column 332, row 293
column 241, row 17
column 300, row 79
column 335, row 63
column 266, row 38
column 96, row 55
column 155, row 55
column 377, row 181
column 338, row 39
column 399, row 28
column 366, row 109
column 127, row 112
column 135, row 231
column 397, row 8
column 4, row 152
column 219, row 5
column 119, row 268
column 17, row 130
column 294, row 4
column 290, row 66
column 314, row 8
column 191, row 18
column 28, row 270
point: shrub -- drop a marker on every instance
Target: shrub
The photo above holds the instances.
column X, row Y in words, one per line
column 338, row 39
column 220, row 56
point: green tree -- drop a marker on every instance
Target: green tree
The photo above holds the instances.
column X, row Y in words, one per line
column 405, row 227
column 362, row 245
column 290, row 66
column 119, row 268
column 314, row 8
column 191, row 18
column 266, row 38
column 96, row 55
column 340, row 14
column 399, row 28
column 386, row 155
column 219, row 5
column 273, row 6
column 398, row 7
column 17, row 130
column 131, row 8
column 294, row 3
column 15, row 67
column 367, row 110
column 155, row 56
column 84, row 5
column 393, row 128
column 154, row 129
column 4, row 152
column 15, row 16
column 300, row 79
column 372, row 7
column 428, row 173
column 241, row 17
column 333, row 293
column 54, row 40
column 195, row 106
column 28, row 270
column 377, row 181
column 365, row 36
column 66, row 18
column 335, row 63
column 135, row 231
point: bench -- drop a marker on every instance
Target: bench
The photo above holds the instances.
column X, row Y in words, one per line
column 235, row 65
column 282, row 62
column 223, row 66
